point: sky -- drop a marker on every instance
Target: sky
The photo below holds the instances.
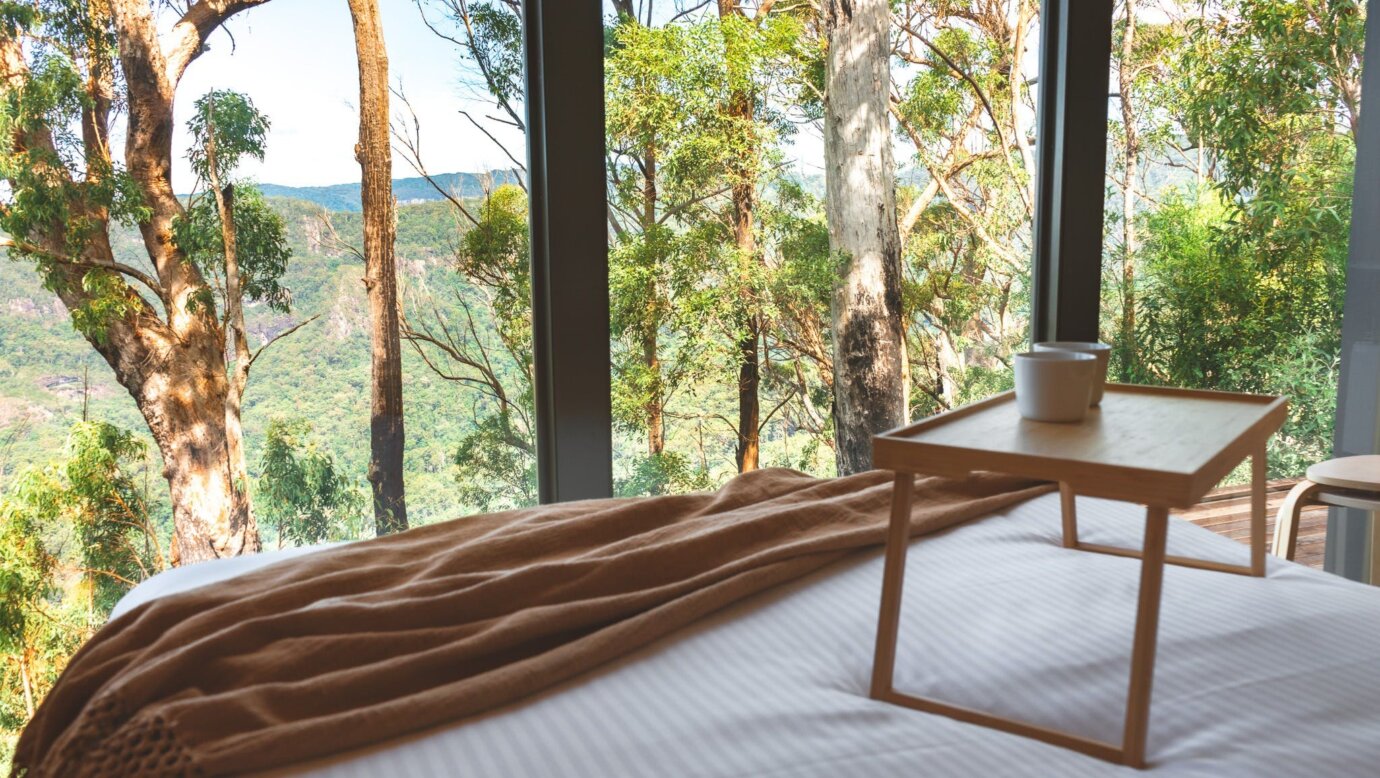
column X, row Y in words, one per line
column 295, row 59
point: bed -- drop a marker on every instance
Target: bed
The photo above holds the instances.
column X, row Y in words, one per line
column 1279, row 676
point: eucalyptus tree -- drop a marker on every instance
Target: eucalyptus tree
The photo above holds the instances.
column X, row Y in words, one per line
column 307, row 497
column 665, row 157
column 27, row 581
column 744, row 168
column 67, row 65
column 95, row 493
column 760, row 63
column 868, row 337
column 237, row 240
column 695, row 134
column 374, row 152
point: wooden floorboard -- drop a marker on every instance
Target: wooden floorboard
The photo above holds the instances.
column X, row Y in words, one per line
column 1227, row 512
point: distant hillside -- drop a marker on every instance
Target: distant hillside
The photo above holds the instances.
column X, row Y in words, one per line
column 345, row 197
column 48, row 373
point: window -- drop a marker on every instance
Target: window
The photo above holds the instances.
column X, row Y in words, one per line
column 722, row 271
column 264, row 130
column 1231, row 151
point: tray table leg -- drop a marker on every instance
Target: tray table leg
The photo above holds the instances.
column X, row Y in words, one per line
column 1070, row 513
column 1153, row 559
column 1258, row 503
column 893, row 579
column 1255, row 568
column 1147, row 631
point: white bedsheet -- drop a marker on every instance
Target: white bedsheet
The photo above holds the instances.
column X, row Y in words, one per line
column 1271, row 677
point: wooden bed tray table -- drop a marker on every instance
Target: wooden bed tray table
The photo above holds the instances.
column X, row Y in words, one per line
column 1159, row 447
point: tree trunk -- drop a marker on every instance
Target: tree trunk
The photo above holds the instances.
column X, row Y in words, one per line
column 651, row 355
column 26, row 678
column 743, row 174
column 861, row 212
column 1129, row 247
column 656, row 415
column 235, row 332
column 749, row 380
column 211, row 515
column 750, row 323
column 174, row 369
column 375, row 156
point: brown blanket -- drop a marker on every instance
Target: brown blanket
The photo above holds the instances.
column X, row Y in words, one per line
column 362, row 643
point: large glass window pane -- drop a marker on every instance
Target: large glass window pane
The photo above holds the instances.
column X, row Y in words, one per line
column 121, row 349
column 1232, row 138
column 468, row 308
column 722, row 275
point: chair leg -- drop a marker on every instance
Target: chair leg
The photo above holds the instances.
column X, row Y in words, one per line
column 1287, row 521
column 1258, row 504
column 1374, row 548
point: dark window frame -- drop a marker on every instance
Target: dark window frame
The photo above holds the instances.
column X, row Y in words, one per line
column 563, row 43
column 1071, row 141
column 1350, row 532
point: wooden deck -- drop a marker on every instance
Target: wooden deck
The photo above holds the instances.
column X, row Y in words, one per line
column 1227, row 512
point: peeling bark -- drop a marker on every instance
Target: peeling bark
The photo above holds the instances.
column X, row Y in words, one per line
column 375, row 155
column 861, row 213
column 174, row 366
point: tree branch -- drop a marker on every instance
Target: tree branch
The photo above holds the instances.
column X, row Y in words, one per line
column 188, row 36
column 981, row 95
column 299, row 325
column 117, row 267
column 412, row 148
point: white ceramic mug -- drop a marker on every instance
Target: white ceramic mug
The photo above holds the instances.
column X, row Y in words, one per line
column 1054, row 385
column 1102, row 351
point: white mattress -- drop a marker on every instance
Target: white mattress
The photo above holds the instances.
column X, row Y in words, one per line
column 1256, row 677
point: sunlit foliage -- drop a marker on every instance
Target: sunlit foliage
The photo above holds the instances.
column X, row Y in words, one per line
column 303, row 495
column 75, row 536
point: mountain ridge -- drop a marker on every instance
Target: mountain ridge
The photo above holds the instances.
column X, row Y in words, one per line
column 416, row 189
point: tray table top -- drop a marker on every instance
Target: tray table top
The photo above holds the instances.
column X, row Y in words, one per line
column 1151, row 445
